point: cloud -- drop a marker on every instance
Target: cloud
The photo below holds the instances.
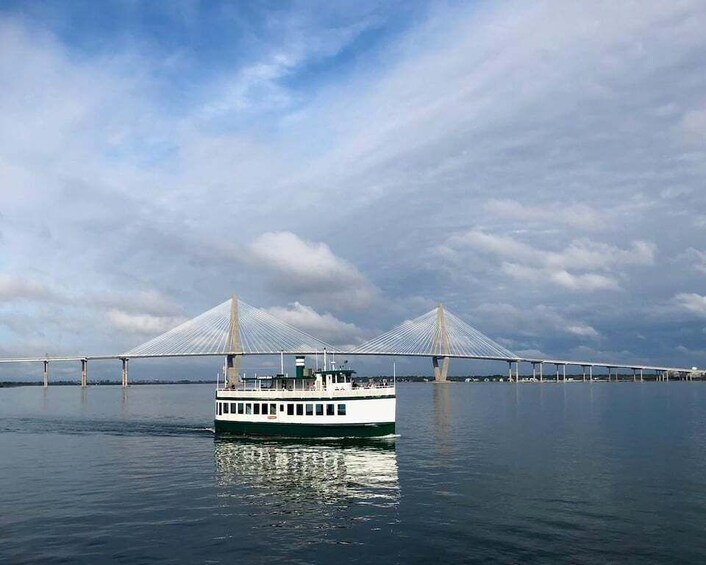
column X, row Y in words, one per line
column 560, row 277
column 156, row 163
column 691, row 302
column 260, row 87
column 695, row 258
column 578, row 216
column 323, row 326
column 13, row 288
column 693, row 126
column 148, row 302
column 142, row 324
column 535, row 321
column 310, row 269
column 531, row 264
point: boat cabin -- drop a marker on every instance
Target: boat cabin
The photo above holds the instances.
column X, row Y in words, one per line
column 334, row 379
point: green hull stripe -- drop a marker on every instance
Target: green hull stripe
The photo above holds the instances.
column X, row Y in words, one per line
column 304, row 430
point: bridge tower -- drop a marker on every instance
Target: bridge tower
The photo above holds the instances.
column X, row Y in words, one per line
column 440, row 347
column 234, row 346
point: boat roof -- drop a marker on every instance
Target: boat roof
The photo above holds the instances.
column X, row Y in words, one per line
column 345, row 372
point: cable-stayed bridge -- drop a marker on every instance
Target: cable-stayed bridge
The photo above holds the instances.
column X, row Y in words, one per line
column 235, row 329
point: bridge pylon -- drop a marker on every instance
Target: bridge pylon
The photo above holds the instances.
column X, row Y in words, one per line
column 234, row 345
column 440, row 347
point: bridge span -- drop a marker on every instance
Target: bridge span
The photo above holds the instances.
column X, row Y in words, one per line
column 235, row 329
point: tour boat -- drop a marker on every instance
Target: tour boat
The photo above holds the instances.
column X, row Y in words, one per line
column 312, row 403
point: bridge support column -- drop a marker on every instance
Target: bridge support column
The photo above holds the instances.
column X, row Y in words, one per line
column 509, row 370
column 534, row 371
column 232, row 371
column 541, row 372
column 590, row 373
column 441, row 372
column 634, row 375
column 564, row 371
column 642, row 380
column 557, row 372
column 46, row 373
column 84, row 373
column 235, row 346
column 124, row 381
column 583, row 373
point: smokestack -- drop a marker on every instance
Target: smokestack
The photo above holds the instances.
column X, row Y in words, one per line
column 300, row 366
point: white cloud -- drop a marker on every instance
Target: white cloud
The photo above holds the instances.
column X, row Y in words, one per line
column 693, row 125
column 579, row 216
column 142, row 324
column 538, row 320
column 691, row 302
column 13, row 287
column 310, row 269
column 566, row 268
column 695, row 258
column 147, row 302
column 560, row 277
column 579, row 254
column 323, row 326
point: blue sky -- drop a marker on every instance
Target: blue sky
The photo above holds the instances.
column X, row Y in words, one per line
column 538, row 167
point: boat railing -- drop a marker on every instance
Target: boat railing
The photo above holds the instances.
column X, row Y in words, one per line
column 361, row 390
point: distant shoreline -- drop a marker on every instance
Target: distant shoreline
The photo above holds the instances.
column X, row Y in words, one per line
column 11, row 384
column 412, row 379
column 407, row 379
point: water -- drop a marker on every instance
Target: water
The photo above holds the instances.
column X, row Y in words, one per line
column 579, row 473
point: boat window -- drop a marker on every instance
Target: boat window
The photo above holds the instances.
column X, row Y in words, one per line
column 255, row 408
column 264, row 409
column 248, row 408
column 329, row 410
column 309, row 409
column 240, row 407
column 341, row 409
column 273, row 409
column 290, row 409
column 232, row 408
column 319, row 409
column 281, row 407
column 225, row 408
column 220, row 408
column 300, row 409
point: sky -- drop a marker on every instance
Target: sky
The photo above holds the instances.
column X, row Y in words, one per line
column 539, row 167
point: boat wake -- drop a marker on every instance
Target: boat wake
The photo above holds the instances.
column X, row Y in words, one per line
column 105, row 427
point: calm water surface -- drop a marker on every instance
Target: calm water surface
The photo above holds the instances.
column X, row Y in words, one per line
column 580, row 473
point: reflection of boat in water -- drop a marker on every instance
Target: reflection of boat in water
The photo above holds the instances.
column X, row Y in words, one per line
column 326, row 403
column 334, row 471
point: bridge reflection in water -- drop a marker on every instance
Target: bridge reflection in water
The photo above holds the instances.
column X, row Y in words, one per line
column 309, row 474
